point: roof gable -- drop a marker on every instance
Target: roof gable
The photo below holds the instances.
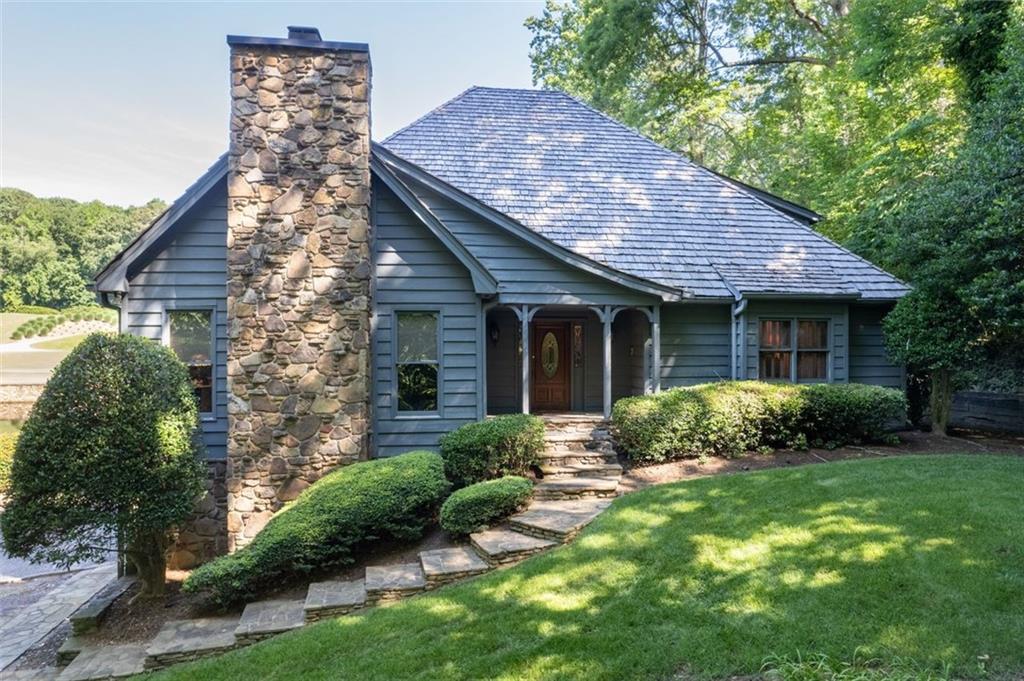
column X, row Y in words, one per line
column 603, row 191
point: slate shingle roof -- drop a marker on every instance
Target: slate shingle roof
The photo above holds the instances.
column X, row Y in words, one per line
column 596, row 187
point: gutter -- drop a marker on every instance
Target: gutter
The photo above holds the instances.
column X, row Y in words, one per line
column 738, row 308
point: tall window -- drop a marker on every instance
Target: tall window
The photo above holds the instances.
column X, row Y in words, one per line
column 190, row 336
column 785, row 356
column 416, row 364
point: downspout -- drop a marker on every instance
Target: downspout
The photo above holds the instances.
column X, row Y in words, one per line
column 738, row 308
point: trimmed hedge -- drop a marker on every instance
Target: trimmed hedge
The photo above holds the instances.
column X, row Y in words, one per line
column 7, row 444
column 503, row 445
column 42, row 326
column 477, row 506
column 346, row 510
column 732, row 417
column 31, row 309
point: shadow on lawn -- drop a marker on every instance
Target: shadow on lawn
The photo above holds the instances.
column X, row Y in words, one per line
column 917, row 558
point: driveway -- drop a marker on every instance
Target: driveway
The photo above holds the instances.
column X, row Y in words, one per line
column 16, row 569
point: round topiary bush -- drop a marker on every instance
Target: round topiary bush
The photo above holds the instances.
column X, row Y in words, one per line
column 111, row 449
column 503, row 445
column 475, row 507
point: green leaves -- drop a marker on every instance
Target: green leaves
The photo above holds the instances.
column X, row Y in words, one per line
column 504, row 445
column 484, row 503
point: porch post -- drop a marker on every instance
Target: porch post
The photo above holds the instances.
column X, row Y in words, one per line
column 656, row 349
column 524, row 318
column 606, row 318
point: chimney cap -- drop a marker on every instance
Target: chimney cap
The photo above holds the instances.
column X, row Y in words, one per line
column 304, row 33
column 306, row 37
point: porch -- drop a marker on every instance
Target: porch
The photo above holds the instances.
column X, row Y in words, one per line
column 580, row 359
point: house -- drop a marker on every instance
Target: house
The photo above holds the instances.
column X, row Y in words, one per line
column 510, row 251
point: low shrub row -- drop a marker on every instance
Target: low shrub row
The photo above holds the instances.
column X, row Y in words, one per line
column 732, row 417
column 504, row 445
column 394, row 498
column 7, row 444
column 31, row 309
column 485, row 503
column 42, row 326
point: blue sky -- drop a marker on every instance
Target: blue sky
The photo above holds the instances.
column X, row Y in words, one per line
column 124, row 102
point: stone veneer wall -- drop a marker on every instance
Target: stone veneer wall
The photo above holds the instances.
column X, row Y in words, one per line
column 203, row 536
column 298, row 274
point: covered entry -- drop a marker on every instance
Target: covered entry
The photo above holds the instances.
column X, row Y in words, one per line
column 577, row 358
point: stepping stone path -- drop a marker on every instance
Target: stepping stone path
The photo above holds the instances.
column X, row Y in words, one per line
column 581, row 475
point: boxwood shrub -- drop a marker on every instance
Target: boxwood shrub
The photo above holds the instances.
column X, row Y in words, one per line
column 503, row 445
column 7, row 444
column 732, row 417
column 485, row 503
column 343, row 512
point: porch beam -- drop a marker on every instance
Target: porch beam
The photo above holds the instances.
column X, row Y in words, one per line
column 656, row 349
column 606, row 319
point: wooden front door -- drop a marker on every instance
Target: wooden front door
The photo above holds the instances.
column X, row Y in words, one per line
column 549, row 371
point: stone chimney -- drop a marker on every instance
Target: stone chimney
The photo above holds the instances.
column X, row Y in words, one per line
column 298, row 293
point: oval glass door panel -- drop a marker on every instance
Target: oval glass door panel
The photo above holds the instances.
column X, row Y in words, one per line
column 549, row 355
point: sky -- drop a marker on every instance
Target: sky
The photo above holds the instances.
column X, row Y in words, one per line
column 125, row 102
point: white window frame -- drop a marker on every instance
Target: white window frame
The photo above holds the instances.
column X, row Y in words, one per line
column 165, row 340
column 396, row 410
column 793, row 351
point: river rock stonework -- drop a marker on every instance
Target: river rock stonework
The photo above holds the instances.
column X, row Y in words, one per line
column 298, row 274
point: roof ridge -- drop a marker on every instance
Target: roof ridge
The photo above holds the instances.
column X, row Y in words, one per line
column 430, row 113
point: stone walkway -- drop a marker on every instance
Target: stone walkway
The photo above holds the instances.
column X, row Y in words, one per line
column 581, row 474
column 25, row 629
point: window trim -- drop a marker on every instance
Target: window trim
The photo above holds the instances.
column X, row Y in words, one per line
column 397, row 413
column 165, row 340
column 794, row 333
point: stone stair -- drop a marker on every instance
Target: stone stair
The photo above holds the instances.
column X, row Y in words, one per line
column 580, row 476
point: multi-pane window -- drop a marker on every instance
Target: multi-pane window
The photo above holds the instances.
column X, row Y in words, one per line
column 189, row 334
column 785, row 356
column 416, row 361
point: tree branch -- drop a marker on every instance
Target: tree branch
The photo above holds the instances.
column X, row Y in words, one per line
column 771, row 61
column 814, row 23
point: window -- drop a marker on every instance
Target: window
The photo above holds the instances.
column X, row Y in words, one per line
column 416, row 364
column 783, row 356
column 189, row 334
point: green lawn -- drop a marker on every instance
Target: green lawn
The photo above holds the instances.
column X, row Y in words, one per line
column 67, row 343
column 916, row 559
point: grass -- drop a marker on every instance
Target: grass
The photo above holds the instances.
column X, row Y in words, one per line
column 67, row 343
column 9, row 321
column 910, row 561
column 10, row 426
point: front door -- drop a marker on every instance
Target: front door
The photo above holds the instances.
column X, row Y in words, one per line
column 550, row 370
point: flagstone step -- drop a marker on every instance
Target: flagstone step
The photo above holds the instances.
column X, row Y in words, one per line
column 42, row 674
column 577, row 488
column 105, row 662
column 88, row 617
column 566, row 457
column 186, row 640
column 264, row 619
column 335, row 598
column 69, row 650
column 386, row 583
column 579, row 470
column 503, row 547
column 558, row 521
column 441, row 566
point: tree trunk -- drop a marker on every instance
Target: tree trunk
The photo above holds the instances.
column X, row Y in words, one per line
column 941, row 400
column 150, row 561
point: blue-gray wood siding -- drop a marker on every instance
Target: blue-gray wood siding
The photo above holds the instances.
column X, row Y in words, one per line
column 694, row 344
column 524, row 273
column 189, row 272
column 414, row 271
column 835, row 313
column 869, row 362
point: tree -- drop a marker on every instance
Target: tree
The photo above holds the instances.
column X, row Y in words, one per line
column 110, row 450
column 961, row 234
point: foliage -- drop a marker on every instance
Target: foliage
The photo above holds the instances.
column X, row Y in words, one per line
column 821, row 667
column 960, row 234
column 834, row 105
column 50, row 248
column 42, row 326
column 503, row 445
column 704, row 579
column 110, row 449
column 730, row 418
column 7, row 444
column 31, row 309
column 340, row 514
column 484, row 503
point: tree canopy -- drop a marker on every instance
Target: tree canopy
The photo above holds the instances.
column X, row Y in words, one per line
column 51, row 248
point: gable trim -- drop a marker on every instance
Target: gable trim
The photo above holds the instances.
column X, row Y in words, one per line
column 113, row 278
column 404, row 168
column 484, row 283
